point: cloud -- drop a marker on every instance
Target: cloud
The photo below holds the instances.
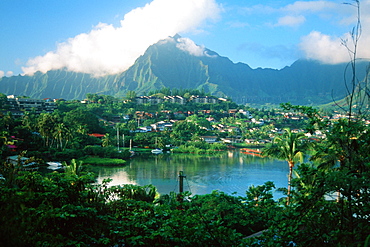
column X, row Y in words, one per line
column 309, row 6
column 291, row 21
column 324, row 48
column 298, row 7
column 189, row 46
column 330, row 49
column 8, row 73
column 295, row 14
column 109, row 50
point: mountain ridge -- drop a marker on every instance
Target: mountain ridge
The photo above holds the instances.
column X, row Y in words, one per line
column 169, row 63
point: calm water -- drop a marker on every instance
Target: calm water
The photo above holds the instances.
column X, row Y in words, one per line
column 229, row 172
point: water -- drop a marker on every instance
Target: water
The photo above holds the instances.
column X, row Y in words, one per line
column 230, row 172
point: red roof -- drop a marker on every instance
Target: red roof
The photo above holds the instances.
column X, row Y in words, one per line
column 96, row 135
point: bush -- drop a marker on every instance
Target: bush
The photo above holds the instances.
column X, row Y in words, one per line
column 106, row 152
column 200, row 148
column 103, row 161
column 68, row 154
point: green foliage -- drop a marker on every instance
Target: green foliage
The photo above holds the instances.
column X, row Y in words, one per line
column 103, row 161
column 74, row 168
column 66, row 209
column 289, row 147
column 200, row 147
column 67, row 154
column 106, row 152
column 83, row 117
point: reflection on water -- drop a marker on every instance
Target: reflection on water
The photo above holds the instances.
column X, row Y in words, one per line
column 229, row 172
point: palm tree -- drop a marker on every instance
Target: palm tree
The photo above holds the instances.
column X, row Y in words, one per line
column 289, row 147
column 107, row 140
column 62, row 133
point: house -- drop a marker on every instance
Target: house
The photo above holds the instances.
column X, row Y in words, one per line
column 148, row 100
column 250, row 141
column 204, row 99
column 161, row 126
column 209, row 139
column 175, row 99
column 97, row 135
column 17, row 105
column 144, row 129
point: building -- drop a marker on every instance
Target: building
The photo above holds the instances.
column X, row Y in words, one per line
column 17, row 106
column 204, row 99
column 175, row 99
column 209, row 139
column 148, row 100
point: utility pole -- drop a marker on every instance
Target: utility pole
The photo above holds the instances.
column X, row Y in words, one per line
column 123, row 140
column 117, row 137
column 181, row 181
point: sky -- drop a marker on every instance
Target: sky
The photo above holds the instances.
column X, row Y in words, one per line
column 102, row 37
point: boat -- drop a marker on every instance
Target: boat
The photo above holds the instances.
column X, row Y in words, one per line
column 157, row 151
column 54, row 165
column 253, row 152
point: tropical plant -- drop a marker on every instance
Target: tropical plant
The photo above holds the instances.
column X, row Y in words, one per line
column 74, row 168
column 107, row 140
column 290, row 147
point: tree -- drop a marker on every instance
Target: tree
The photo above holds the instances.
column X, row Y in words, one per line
column 3, row 99
column 62, row 134
column 131, row 95
column 107, row 140
column 83, row 117
column 289, row 147
column 183, row 131
column 29, row 120
column 46, row 125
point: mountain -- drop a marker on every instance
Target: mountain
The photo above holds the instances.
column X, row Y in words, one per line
column 171, row 63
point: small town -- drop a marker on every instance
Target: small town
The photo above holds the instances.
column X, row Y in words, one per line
column 215, row 120
column 191, row 123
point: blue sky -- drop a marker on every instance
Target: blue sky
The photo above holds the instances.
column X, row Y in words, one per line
column 105, row 37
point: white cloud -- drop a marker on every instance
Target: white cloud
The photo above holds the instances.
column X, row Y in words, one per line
column 188, row 45
column 8, row 73
column 309, row 6
column 291, row 21
column 297, row 7
column 330, row 49
column 109, row 50
column 324, row 48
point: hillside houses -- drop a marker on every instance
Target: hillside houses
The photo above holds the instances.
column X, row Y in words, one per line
column 18, row 105
column 153, row 100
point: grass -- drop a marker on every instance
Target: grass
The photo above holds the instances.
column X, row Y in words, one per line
column 103, row 161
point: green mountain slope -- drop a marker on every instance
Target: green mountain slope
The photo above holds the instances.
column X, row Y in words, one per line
column 166, row 65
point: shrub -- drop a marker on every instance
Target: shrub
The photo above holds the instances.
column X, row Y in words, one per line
column 103, row 161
